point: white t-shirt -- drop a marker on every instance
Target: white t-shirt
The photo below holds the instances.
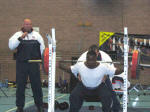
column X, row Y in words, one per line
column 104, row 56
column 92, row 77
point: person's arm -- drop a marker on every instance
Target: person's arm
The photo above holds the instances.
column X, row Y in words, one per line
column 64, row 67
column 13, row 41
column 79, row 77
column 106, row 57
column 114, row 70
column 109, row 70
column 119, row 69
column 82, row 58
column 70, row 69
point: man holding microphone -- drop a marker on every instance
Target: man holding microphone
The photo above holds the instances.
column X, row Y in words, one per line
column 30, row 46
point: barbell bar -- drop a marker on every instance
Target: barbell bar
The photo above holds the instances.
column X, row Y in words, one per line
column 45, row 61
column 135, row 68
column 40, row 61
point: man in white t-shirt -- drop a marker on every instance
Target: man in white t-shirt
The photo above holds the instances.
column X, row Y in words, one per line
column 92, row 74
column 102, row 56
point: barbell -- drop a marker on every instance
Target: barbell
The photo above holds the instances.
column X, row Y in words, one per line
column 136, row 65
column 45, row 61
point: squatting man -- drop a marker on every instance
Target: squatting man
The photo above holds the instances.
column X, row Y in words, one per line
column 92, row 75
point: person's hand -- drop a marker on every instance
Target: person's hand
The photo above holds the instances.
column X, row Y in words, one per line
column 24, row 34
column 104, row 78
column 79, row 77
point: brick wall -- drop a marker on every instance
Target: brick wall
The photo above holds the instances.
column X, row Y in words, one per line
column 66, row 16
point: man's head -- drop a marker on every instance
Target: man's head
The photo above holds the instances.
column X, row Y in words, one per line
column 94, row 48
column 91, row 59
column 27, row 25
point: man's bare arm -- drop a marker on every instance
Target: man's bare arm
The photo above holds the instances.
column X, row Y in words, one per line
column 64, row 67
column 119, row 69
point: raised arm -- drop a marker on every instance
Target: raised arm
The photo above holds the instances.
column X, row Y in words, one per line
column 119, row 69
column 63, row 66
column 113, row 70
